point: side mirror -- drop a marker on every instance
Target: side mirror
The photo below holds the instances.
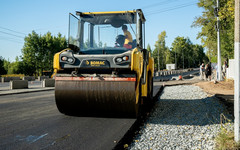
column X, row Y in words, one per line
column 74, row 48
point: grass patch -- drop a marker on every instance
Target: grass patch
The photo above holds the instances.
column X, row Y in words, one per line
column 13, row 75
column 225, row 138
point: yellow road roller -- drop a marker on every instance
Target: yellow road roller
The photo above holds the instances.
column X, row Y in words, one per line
column 105, row 69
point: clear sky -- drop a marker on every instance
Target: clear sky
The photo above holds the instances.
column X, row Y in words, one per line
column 19, row 17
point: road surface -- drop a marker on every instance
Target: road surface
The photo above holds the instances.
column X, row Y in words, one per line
column 32, row 121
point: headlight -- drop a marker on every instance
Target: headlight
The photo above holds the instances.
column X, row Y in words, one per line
column 70, row 60
column 66, row 59
column 125, row 58
column 119, row 60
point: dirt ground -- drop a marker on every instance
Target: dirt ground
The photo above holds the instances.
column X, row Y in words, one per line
column 222, row 87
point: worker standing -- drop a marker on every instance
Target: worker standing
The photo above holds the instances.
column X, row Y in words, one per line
column 128, row 37
column 224, row 69
column 202, row 72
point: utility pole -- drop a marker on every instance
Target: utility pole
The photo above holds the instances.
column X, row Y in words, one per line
column 237, row 72
column 175, row 60
column 158, row 61
column 183, row 58
column 218, row 44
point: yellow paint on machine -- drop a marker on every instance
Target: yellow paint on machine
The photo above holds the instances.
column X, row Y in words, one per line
column 150, row 68
column 56, row 62
column 151, row 65
column 109, row 12
column 137, row 66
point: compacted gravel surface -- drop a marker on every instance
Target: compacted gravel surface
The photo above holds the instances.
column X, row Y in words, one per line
column 184, row 117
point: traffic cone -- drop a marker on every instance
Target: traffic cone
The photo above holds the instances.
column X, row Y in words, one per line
column 180, row 77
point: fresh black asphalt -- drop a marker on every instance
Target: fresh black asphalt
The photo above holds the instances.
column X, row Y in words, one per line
column 32, row 121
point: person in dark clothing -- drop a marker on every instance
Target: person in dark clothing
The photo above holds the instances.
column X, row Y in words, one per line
column 208, row 72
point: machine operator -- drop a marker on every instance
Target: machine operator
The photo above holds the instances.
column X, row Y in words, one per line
column 128, row 37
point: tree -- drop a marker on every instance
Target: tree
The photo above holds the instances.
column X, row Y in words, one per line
column 149, row 48
column 180, row 47
column 15, row 67
column 187, row 55
column 226, row 15
column 38, row 52
column 2, row 69
column 6, row 65
column 161, row 51
column 198, row 55
column 208, row 34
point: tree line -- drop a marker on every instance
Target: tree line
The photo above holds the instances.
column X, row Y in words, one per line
column 37, row 55
column 183, row 53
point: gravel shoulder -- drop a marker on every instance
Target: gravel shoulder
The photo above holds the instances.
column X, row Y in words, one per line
column 184, row 117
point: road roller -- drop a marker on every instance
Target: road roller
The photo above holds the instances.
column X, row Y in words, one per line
column 106, row 68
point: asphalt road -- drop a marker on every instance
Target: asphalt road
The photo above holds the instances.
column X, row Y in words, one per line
column 32, row 121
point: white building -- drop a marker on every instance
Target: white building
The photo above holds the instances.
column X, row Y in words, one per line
column 170, row 66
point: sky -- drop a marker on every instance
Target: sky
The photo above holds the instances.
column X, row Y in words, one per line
column 20, row 17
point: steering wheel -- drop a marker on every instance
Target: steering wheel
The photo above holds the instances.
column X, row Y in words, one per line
column 120, row 39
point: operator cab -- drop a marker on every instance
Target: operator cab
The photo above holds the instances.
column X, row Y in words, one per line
column 101, row 32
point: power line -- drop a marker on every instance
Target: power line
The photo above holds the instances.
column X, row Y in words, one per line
column 170, row 9
column 11, row 34
column 12, row 31
column 10, row 38
column 12, row 41
column 159, row 3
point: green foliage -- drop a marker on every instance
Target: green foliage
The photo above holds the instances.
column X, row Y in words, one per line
column 15, row 67
column 225, row 138
column 182, row 53
column 226, row 15
column 38, row 52
column 187, row 55
column 149, row 48
column 6, row 65
column 161, row 53
column 2, row 69
column 208, row 34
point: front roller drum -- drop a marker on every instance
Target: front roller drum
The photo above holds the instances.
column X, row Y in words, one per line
column 76, row 95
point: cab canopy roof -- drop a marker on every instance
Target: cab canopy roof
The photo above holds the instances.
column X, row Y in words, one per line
column 115, row 18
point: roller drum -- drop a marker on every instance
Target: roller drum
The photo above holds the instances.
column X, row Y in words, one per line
column 96, row 97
